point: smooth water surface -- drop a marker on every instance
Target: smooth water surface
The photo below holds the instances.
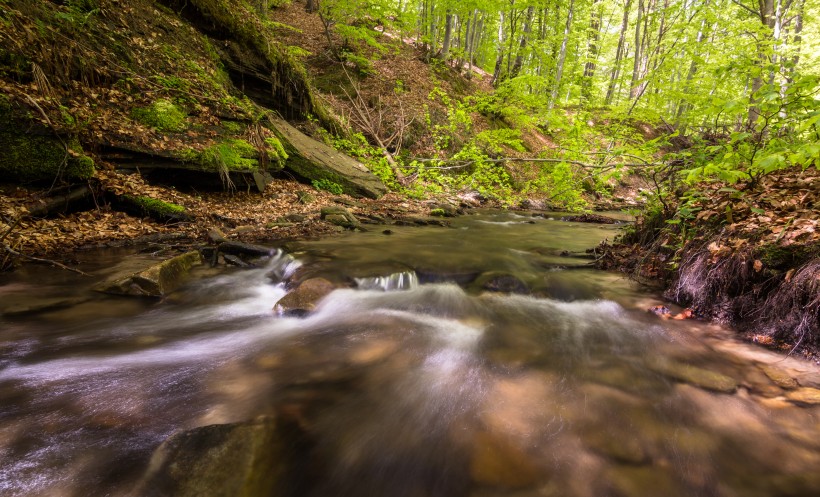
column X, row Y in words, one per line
column 410, row 380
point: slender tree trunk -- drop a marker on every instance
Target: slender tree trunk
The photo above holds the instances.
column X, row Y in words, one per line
column 619, row 54
column 636, row 64
column 448, row 35
column 311, row 6
column 592, row 51
column 499, row 59
column 562, row 55
column 513, row 17
column 519, row 58
column 766, row 14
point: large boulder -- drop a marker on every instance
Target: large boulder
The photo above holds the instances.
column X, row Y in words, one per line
column 156, row 281
column 314, row 161
column 244, row 459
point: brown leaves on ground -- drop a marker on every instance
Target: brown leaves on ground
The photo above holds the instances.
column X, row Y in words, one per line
column 245, row 216
column 781, row 209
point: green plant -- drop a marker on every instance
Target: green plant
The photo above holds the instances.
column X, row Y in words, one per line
column 328, row 186
column 162, row 115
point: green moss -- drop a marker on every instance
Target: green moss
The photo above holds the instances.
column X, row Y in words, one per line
column 157, row 207
column 162, row 115
column 328, row 186
column 29, row 157
column 229, row 155
column 438, row 212
column 232, row 127
column 276, row 150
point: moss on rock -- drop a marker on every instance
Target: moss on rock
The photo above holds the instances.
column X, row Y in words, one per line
column 229, row 155
column 162, row 115
column 39, row 158
column 29, row 157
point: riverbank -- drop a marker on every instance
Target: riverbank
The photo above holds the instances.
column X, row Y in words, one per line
column 747, row 256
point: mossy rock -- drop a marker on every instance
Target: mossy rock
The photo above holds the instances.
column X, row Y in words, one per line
column 156, row 281
column 233, row 154
column 27, row 158
column 36, row 156
column 162, row 115
column 244, row 459
column 312, row 160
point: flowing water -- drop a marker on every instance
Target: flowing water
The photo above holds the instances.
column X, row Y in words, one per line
column 410, row 380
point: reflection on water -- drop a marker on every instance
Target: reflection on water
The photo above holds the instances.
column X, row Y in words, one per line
column 410, row 379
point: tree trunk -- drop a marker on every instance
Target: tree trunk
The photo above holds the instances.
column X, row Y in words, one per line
column 619, row 55
column 499, row 59
column 766, row 14
column 562, row 55
column 636, row 64
column 448, row 36
column 519, row 58
column 592, row 51
column 311, row 6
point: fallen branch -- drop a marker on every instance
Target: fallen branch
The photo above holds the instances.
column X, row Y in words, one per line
column 15, row 253
column 584, row 165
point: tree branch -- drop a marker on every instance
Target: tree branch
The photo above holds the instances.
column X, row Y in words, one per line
column 749, row 9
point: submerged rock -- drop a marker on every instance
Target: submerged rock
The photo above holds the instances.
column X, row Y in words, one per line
column 156, row 281
column 498, row 462
column 231, row 460
column 502, row 282
column 806, row 395
column 304, row 298
column 703, row 378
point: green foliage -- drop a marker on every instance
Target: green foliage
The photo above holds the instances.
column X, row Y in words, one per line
column 162, row 115
column 784, row 135
column 559, row 184
column 328, row 185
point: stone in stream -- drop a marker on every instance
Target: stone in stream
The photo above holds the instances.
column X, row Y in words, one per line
column 340, row 217
column 496, row 461
column 703, row 378
column 502, row 282
column 244, row 459
column 779, row 377
column 444, row 210
column 805, row 395
column 240, row 248
column 156, row 281
column 304, row 298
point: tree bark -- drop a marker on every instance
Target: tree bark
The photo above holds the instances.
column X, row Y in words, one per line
column 636, row 64
column 448, row 36
column 519, row 58
column 592, row 51
column 619, row 55
column 562, row 55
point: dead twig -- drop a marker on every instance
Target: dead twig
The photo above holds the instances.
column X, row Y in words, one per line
column 16, row 253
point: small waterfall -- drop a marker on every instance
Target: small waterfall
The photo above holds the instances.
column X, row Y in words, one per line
column 282, row 265
column 405, row 280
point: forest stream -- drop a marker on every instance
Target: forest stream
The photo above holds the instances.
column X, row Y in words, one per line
column 415, row 379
